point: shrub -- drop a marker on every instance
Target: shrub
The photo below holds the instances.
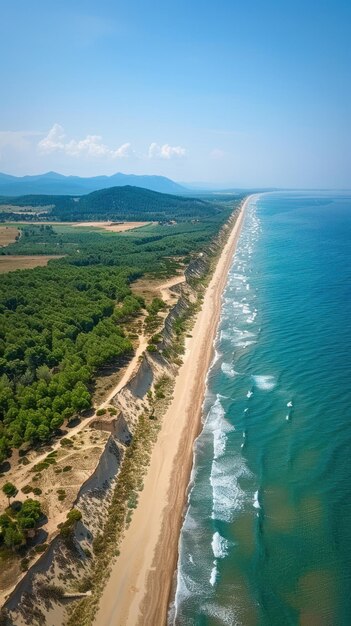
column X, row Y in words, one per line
column 65, row 442
column 74, row 516
column 39, row 467
column 24, row 565
column 101, row 412
column 151, row 348
column 156, row 338
column 66, row 529
column 67, row 468
column 27, row 489
column 41, row 548
column 85, row 584
column 98, row 544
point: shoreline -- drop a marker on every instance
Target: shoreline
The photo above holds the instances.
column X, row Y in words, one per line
column 140, row 585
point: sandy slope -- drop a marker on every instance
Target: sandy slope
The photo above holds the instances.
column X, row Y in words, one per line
column 140, row 583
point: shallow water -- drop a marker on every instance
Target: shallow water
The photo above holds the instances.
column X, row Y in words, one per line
column 267, row 535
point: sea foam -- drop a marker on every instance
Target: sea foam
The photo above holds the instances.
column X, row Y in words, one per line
column 213, row 576
column 219, row 546
column 228, row 370
column 227, row 495
column 256, row 502
column 265, row 383
column 219, row 426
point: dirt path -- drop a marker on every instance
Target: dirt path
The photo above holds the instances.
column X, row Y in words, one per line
column 129, row 371
column 166, row 294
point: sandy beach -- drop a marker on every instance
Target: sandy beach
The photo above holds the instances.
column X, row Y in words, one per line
column 138, row 590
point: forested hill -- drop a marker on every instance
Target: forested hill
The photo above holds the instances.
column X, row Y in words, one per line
column 116, row 203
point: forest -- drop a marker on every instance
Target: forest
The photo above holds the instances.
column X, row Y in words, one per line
column 116, row 203
column 61, row 323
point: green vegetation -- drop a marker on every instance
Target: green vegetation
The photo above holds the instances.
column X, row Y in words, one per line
column 10, row 491
column 73, row 516
column 63, row 323
column 17, row 522
column 116, row 203
column 153, row 321
column 101, row 412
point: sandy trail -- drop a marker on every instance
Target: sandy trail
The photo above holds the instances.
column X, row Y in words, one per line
column 139, row 587
column 166, row 294
column 128, row 373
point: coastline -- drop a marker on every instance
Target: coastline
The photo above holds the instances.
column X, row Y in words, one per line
column 140, row 583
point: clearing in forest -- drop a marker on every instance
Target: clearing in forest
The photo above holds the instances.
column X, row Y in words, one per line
column 8, row 235
column 113, row 227
column 9, row 263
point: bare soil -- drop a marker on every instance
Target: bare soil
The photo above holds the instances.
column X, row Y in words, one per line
column 8, row 235
column 10, row 263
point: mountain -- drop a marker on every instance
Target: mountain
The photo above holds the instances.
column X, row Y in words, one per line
column 116, row 203
column 53, row 183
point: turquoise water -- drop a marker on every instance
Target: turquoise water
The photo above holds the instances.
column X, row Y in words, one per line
column 267, row 535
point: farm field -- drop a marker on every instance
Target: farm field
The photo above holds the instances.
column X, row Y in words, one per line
column 102, row 227
column 8, row 235
column 10, row 263
column 112, row 227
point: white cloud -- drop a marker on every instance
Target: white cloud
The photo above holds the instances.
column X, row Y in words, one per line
column 17, row 140
column 54, row 140
column 90, row 146
column 124, row 150
column 165, row 152
column 216, row 153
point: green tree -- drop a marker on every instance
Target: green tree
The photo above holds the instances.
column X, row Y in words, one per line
column 5, row 521
column 29, row 515
column 43, row 432
column 13, row 536
column 10, row 490
column 44, row 373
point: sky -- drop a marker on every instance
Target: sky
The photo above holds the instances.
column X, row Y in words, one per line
column 235, row 94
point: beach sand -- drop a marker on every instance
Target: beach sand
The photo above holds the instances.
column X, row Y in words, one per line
column 139, row 587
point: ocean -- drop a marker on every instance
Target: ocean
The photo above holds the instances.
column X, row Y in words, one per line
column 266, row 538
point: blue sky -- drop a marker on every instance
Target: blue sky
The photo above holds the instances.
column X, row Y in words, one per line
column 233, row 93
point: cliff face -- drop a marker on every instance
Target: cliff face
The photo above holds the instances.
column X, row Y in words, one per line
column 38, row 597
column 65, row 567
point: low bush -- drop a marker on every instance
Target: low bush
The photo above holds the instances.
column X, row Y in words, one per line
column 27, row 489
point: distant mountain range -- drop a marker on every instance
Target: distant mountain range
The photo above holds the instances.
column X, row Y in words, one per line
column 116, row 203
column 53, row 183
